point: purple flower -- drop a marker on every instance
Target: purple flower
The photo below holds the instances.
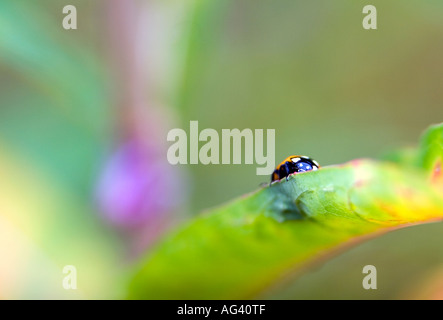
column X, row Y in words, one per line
column 138, row 185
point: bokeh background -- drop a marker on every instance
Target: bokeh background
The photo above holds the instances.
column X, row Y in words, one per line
column 84, row 114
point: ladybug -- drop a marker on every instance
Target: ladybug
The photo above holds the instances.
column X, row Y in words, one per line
column 292, row 165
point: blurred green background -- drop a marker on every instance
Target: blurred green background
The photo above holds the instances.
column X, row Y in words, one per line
column 69, row 99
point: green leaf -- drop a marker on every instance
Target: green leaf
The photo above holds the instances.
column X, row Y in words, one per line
column 431, row 151
column 239, row 250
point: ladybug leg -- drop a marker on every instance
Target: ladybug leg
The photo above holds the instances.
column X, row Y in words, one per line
column 288, row 170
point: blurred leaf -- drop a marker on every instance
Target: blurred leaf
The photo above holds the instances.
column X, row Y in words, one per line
column 54, row 98
column 429, row 156
column 431, row 151
column 405, row 156
column 239, row 250
column 33, row 44
column 198, row 41
column 43, row 229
